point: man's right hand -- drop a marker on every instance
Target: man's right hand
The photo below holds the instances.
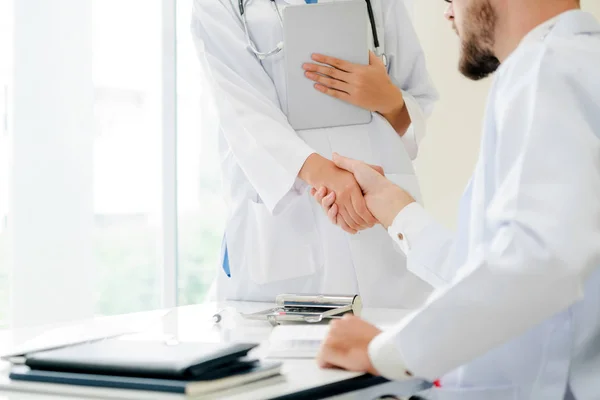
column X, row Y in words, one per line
column 351, row 206
column 383, row 198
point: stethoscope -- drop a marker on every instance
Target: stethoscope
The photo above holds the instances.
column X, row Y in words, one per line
column 279, row 47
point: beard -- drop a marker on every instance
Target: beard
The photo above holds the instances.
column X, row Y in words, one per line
column 477, row 59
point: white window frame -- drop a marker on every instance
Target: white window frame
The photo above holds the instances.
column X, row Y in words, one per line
column 169, row 290
column 25, row 308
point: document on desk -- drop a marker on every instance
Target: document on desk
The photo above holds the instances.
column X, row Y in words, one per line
column 296, row 341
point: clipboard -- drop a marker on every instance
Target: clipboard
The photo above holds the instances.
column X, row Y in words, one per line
column 339, row 29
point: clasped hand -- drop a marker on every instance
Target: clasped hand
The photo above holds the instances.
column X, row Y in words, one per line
column 382, row 199
column 352, row 213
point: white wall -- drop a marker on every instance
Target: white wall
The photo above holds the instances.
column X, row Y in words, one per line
column 450, row 149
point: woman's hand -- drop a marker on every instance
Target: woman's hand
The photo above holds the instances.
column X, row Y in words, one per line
column 353, row 216
column 328, row 199
column 366, row 86
column 351, row 209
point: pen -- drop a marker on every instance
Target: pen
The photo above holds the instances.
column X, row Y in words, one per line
column 218, row 316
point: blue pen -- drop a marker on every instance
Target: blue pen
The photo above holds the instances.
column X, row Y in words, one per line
column 225, row 264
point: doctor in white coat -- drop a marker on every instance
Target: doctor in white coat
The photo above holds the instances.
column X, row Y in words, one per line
column 518, row 304
column 277, row 239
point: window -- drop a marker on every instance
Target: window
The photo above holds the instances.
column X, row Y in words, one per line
column 201, row 210
column 5, row 79
column 127, row 154
column 128, row 169
column 128, row 201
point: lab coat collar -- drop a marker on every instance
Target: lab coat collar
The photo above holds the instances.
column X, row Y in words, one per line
column 577, row 22
column 573, row 22
column 540, row 31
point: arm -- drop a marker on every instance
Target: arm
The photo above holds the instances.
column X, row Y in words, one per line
column 258, row 133
column 263, row 143
column 546, row 221
column 403, row 95
column 427, row 245
column 408, row 71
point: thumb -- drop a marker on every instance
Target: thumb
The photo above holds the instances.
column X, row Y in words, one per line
column 377, row 168
column 344, row 162
column 373, row 59
column 365, row 175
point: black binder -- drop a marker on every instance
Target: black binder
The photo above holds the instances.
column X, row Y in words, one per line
column 149, row 359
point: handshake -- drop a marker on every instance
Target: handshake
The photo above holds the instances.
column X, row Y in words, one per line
column 356, row 196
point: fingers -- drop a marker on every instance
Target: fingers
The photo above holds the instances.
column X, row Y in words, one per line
column 335, row 62
column 346, row 212
column 352, row 165
column 329, row 82
column 333, row 352
column 332, row 211
column 360, row 206
column 339, row 221
column 319, row 194
column 343, row 221
column 322, row 361
column 344, row 162
column 377, row 168
column 328, row 71
column 338, row 94
column 327, row 201
column 330, row 357
column 356, row 212
column 332, row 214
column 373, row 59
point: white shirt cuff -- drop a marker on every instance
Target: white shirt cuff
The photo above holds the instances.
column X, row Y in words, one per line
column 387, row 358
column 408, row 224
column 416, row 131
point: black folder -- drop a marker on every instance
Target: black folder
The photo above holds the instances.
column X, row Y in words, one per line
column 150, row 359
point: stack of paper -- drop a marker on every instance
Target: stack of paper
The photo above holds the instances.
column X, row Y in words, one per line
column 296, row 341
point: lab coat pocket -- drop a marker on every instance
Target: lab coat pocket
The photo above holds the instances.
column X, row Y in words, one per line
column 286, row 245
column 408, row 182
column 475, row 393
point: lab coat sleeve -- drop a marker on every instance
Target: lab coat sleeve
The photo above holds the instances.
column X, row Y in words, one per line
column 268, row 150
column 426, row 244
column 408, row 70
column 546, row 229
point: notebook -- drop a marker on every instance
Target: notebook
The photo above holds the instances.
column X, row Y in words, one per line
column 258, row 372
column 148, row 359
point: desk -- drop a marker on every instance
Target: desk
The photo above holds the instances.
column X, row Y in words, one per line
column 303, row 379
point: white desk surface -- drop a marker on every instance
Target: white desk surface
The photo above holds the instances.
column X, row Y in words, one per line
column 190, row 323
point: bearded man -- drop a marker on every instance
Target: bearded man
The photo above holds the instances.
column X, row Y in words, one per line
column 516, row 310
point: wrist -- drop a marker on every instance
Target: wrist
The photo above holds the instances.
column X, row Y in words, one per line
column 399, row 199
column 397, row 114
column 314, row 169
column 395, row 106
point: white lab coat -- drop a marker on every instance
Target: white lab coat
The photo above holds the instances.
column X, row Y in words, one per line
column 278, row 239
column 522, row 312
